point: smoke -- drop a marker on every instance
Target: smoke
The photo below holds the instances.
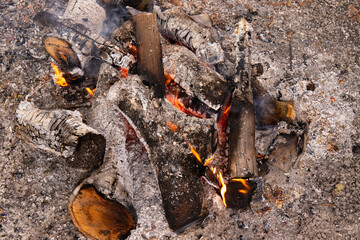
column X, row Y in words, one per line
column 116, row 15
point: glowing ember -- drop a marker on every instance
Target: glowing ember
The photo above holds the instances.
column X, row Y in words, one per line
column 124, row 72
column 59, row 76
column 132, row 50
column 91, row 92
column 172, row 126
column 195, row 154
column 223, row 188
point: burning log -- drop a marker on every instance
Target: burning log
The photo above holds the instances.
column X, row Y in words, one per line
column 177, row 172
column 176, row 25
column 149, row 51
column 194, row 76
column 61, row 132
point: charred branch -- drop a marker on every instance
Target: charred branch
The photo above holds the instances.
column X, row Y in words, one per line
column 176, row 25
column 149, row 51
column 61, row 132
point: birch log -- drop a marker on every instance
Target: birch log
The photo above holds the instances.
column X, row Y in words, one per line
column 61, row 132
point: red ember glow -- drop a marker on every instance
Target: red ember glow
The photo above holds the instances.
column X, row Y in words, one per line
column 60, row 80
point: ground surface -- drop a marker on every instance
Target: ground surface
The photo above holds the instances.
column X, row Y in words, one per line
column 311, row 53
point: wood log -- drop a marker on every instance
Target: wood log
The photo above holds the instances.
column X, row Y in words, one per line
column 242, row 152
column 149, row 51
column 97, row 217
column 61, row 132
column 194, row 76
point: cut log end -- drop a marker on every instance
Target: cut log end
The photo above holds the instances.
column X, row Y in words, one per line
column 99, row 218
column 89, row 152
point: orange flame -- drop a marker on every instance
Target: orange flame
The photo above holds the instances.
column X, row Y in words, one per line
column 194, row 152
column 208, row 161
column 124, row 72
column 59, row 76
column 223, row 188
column 244, row 182
column 91, row 92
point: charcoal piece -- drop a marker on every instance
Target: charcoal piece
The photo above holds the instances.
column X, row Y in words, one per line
column 284, row 151
column 61, row 132
column 194, row 76
column 149, row 51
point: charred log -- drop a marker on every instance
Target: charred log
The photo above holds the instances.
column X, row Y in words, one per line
column 149, row 51
column 61, row 132
column 176, row 168
column 181, row 28
column 194, row 76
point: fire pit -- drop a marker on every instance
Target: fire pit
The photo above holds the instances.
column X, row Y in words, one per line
column 169, row 121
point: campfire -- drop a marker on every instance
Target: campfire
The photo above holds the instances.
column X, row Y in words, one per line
column 166, row 120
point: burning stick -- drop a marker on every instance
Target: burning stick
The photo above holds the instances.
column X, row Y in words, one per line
column 61, row 132
column 149, row 51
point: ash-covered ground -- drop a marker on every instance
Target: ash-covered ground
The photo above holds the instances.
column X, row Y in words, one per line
column 310, row 50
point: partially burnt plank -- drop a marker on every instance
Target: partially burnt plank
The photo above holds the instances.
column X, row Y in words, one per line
column 61, row 132
column 149, row 51
column 242, row 152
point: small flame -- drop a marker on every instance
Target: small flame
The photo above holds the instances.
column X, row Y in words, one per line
column 91, row 92
column 132, row 50
column 208, row 161
column 223, row 188
column 59, row 76
column 244, row 182
column 194, row 152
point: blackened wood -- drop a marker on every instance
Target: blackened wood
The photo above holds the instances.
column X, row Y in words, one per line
column 242, row 153
column 149, row 51
column 284, row 151
column 61, row 132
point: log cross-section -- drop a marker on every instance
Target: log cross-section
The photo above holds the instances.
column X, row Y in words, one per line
column 149, row 51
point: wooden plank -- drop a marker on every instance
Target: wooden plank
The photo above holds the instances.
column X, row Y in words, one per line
column 149, row 51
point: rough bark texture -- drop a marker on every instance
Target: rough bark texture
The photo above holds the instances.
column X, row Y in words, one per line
column 61, row 132
column 149, row 51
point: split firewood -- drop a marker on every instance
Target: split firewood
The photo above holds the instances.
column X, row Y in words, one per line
column 149, row 51
column 242, row 153
column 176, row 25
column 194, row 76
column 61, row 132
column 177, row 169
